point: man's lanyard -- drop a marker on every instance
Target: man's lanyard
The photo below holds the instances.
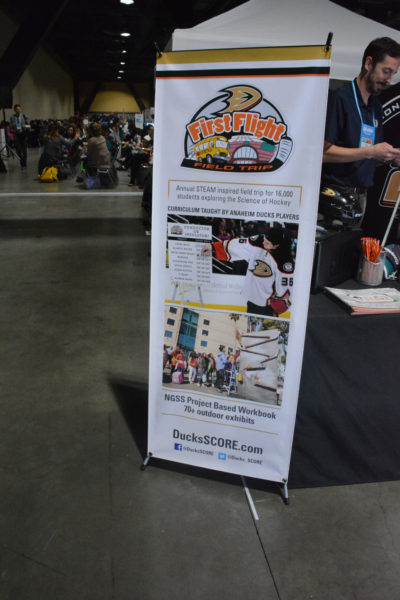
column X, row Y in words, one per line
column 367, row 135
column 19, row 123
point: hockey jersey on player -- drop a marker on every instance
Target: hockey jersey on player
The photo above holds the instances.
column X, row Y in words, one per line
column 269, row 273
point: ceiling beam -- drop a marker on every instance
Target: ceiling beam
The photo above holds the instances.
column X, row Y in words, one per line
column 33, row 30
column 89, row 100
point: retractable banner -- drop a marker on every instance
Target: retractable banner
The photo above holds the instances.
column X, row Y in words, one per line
column 237, row 161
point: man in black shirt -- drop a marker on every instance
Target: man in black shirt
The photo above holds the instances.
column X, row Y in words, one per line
column 353, row 136
column 19, row 123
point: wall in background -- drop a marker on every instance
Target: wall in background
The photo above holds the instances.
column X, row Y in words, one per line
column 45, row 90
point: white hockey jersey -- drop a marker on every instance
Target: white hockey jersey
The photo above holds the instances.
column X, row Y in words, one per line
column 266, row 277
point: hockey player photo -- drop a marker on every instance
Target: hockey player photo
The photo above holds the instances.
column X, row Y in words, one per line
column 270, row 268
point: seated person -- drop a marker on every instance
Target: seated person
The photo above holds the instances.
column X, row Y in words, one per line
column 70, row 132
column 55, row 146
column 73, row 153
column 142, row 157
column 111, row 142
column 96, row 151
column 132, row 145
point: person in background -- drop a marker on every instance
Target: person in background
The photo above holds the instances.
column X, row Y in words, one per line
column 193, row 364
column 354, row 143
column 70, row 132
column 144, row 156
column 203, row 364
column 210, row 369
column 180, row 362
column 220, row 363
column 111, row 141
column 19, row 124
column 132, row 146
column 54, row 152
column 97, row 151
column 74, row 151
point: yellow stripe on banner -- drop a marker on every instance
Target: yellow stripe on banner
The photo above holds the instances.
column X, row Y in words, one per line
column 228, row 307
column 230, row 55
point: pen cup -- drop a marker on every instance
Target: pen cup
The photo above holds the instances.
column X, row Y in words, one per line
column 370, row 273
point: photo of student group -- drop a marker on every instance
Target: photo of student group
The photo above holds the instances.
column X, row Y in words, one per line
column 224, row 353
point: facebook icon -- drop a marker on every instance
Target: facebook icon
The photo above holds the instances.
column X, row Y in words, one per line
column 178, row 447
column 221, row 456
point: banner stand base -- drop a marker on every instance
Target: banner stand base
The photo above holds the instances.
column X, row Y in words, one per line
column 146, row 461
column 283, row 488
column 285, row 492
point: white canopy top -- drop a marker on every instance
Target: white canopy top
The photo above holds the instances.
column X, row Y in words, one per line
column 289, row 23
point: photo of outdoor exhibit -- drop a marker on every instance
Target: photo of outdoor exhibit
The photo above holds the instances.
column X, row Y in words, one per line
column 231, row 264
column 229, row 354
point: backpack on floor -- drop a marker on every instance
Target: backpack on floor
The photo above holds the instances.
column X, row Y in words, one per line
column 48, row 175
column 91, row 182
column 108, row 176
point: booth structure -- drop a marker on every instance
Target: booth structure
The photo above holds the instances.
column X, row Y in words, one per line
column 269, row 23
column 348, row 412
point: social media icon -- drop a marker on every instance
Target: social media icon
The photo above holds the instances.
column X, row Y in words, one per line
column 221, row 456
column 178, row 447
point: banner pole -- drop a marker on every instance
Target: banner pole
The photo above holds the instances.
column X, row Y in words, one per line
column 146, row 461
column 249, row 499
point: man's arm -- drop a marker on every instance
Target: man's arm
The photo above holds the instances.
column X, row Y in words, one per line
column 381, row 152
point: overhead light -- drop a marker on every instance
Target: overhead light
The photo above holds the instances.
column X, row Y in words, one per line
column 127, row 2
column 121, row 63
column 123, row 51
column 125, row 34
column 119, row 77
column 121, row 71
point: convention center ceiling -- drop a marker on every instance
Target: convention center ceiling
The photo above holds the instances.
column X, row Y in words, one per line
column 86, row 36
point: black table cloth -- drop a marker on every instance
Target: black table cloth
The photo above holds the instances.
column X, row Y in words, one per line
column 348, row 418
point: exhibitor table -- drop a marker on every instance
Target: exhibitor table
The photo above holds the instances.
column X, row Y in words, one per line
column 347, row 426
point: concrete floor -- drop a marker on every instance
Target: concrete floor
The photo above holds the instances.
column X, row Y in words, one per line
column 79, row 520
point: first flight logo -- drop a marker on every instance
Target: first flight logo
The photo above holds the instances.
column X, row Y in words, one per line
column 238, row 130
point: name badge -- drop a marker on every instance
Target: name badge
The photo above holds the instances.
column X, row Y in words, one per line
column 367, row 137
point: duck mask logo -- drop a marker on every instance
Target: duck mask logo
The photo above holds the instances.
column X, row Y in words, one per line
column 237, row 131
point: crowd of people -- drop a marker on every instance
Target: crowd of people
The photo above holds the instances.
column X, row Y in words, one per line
column 200, row 368
column 78, row 145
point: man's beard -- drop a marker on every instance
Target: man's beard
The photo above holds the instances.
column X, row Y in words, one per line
column 375, row 87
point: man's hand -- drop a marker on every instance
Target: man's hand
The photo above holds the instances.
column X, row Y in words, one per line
column 384, row 152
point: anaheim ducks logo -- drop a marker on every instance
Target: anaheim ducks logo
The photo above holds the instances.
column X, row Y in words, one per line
column 238, row 130
column 242, row 97
column 328, row 191
column 261, row 269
